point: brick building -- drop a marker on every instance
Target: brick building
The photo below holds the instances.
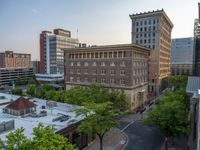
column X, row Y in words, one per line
column 9, row 59
column 153, row 30
column 116, row 66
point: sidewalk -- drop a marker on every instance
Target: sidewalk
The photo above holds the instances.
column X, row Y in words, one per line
column 113, row 140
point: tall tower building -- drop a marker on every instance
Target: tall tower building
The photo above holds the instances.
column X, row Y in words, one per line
column 153, row 30
column 51, row 53
column 196, row 67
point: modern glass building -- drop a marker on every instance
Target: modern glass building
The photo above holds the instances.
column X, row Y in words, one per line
column 182, row 56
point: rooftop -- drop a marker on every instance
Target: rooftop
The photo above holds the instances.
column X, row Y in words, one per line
column 60, row 116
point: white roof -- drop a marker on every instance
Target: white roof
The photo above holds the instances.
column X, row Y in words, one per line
column 28, row 123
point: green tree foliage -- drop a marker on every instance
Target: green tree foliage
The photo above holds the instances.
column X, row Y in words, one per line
column 178, row 80
column 171, row 113
column 17, row 140
column 31, row 90
column 17, row 91
column 98, row 94
column 44, row 139
column 98, row 119
column 79, row 95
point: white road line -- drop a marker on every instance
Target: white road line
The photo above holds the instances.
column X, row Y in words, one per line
column 127, row 126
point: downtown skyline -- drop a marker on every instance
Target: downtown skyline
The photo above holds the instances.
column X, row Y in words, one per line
column 97, row 22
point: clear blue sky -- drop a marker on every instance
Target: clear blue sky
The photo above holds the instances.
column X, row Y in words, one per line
column 99, row 22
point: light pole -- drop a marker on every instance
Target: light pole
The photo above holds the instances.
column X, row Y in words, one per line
column 155, row 85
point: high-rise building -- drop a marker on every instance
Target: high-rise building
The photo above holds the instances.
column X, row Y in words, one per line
column 196, row 67
column 51, row 53
column 153, row 30
column 9, row 59
column 115, row 66
column 182, row 56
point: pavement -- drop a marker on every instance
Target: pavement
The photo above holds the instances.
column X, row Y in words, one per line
column 113, row 140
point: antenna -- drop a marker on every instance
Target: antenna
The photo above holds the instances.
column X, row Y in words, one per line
column 77, row 33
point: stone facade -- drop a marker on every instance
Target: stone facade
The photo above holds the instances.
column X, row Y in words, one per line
column 116, row 66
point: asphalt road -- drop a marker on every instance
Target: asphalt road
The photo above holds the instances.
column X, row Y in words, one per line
column 142, row 137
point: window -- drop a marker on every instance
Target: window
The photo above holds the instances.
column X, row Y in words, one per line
column 122, row 64
column 94, row 79
column 71, row 71
column 94, row 64
column 78, row 63
column 110, row 54
column 84, row 55
column 115, row 54
column 153, row 40
column 86, row 80
column 71, row 79
column 105, row 54
column 122, row 72
column 78, row 71
column 137, row 24
column 154, row 28
column 103, row 64
column 103, row 80
column 71, row 63
column 122, row 82
column 112, row 81
column 86, row 64
column 112, row 64
column 94, row 72
column 96, row 55
column 86, row 71
column 141, row 29
column 101, row 55
column 103, row 72
column 149, row 21
column 112, row 72
column 150, row 28
column 78, row 79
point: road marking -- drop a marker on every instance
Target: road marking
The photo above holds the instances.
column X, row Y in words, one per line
column 127, row 126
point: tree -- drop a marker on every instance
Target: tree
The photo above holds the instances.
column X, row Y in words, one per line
column 31, row 90
column 17, row 140
column 171, row 114
column 17, row 91
column 98, row 119
column 44, row 139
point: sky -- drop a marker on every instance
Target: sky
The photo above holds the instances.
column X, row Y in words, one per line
column 99, row 22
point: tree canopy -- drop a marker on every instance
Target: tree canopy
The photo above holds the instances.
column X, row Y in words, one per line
column 98, row 119
column 44, row 139
column 171, row 112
